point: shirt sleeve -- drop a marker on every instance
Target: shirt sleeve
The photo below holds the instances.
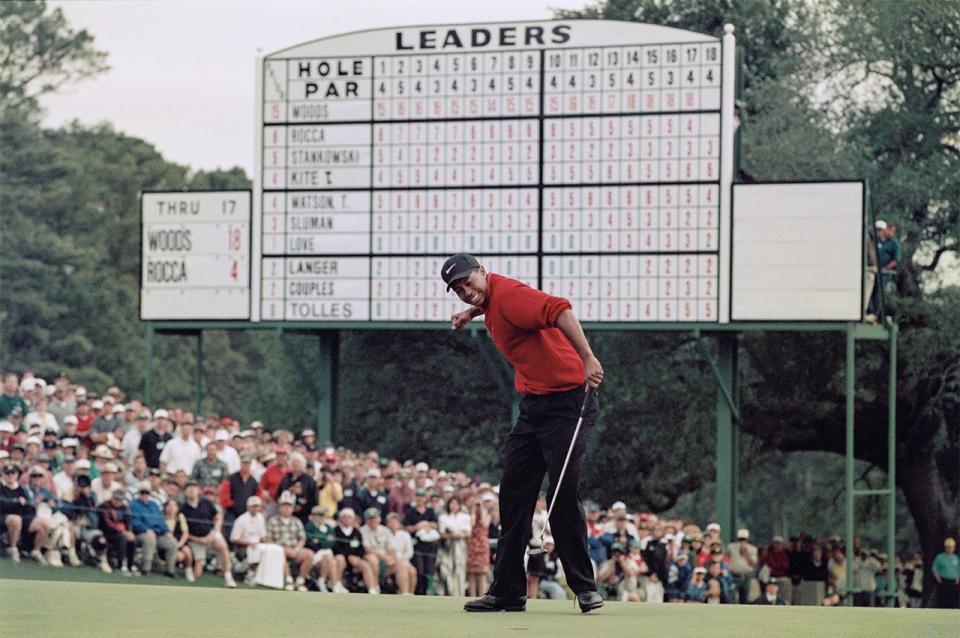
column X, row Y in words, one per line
column 532, row 309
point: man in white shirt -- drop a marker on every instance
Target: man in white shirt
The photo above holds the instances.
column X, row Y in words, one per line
column 131, row 439
column 180, row 452
column 63, row 480
column 103, row 486
column 378, row 544
column 226, row 452
column 743, row 562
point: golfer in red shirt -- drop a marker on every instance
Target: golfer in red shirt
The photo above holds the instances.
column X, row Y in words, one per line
column 540, row 336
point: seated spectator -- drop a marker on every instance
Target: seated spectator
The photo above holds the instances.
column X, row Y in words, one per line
column 771, row 594
column 236, row 489
column 618, row 576
column 20, row 515
column 137, row 474
column 115, row 523
column 714, row 594
column 267, row 562
column 678, row 578
column 205, row 525
column 287, row 531
column 697, row 589
column 373, row 494
column 348, row 551
column 378, row 545
column 321, row 536
column 104, row 484
column 329, row 490
column 152, row 531
column 180, row 530
column 80, row 506
column 44, row 502
column 406, row 573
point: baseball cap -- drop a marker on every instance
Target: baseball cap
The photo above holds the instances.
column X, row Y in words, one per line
column 222, row 435
column 373, row 473
column 70, row 419
column 743, row 534
column 619, row 505
column 118, row 409
column 143, row 416
column 700, row 570
column 880, row 224
column 421, row 467
column 420, row 492
column 10, row 468
column 371, row 512
column 108, row 398
column 97, row 405
column 254, row 500
column 256, row 425
column 307, row 432
column 118, row 494
column 457, row 267
column 70, row 441
column 83, row 464
column 160, row 413
column 103, row 452
column 143, row 486
column 287, row 499
column 110, row 467
column 713, row 526
column 6, row 426
column 34, row 440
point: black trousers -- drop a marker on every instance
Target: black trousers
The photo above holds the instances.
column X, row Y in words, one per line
column 537, row 445
column 120, row 548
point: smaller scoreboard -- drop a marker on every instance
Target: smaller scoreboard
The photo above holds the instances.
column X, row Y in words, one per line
column 195, row 255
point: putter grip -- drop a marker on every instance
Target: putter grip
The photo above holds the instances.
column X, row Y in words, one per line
column 586, row 400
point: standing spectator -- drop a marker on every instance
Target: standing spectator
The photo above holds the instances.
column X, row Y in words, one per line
column 236, row 489
column 373, row 495
column 11, row 399
column 946, row 574
column 771, row 594
column 63, row 480
column 152, row 531
column 778, row 561
column 180, row 530
column 287, row 531
column 84, row 416
column 913, row 577
column 81, row 508
column 205, row 525
column 20, row 515
column 133, row 436
column 209, row 471
column 421, row 522
column 478, row 551
column 743, row 562
column 455, row 528
column 61, row 405
column 226, row 452
column 678, row 578
column 348, row 551
column 837, row 568
column 104, row 424
column 180, row 452
column 153, row 441
column 865, row 568
column 302, row 486
column 403, row 544
column 329, row 491
column 115, row 523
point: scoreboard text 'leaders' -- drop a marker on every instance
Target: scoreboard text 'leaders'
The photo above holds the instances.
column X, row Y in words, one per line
column 591, row 159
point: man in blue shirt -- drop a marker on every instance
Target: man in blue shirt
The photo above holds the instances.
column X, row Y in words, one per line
column 946, row 573
column 152, row 531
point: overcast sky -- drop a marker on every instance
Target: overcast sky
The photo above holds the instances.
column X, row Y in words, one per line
column 182, row 73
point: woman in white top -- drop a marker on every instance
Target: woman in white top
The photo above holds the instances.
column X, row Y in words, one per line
column 455, row 527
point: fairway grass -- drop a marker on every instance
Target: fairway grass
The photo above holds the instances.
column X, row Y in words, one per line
column 66, row 609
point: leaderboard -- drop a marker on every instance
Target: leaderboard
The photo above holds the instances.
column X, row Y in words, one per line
column 580, row 157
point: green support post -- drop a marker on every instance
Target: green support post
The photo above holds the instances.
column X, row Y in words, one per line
column 727, row 427
column 198, row 384
column 148, row 379
column 848, row 465
column 327, row 386
column 892, row 470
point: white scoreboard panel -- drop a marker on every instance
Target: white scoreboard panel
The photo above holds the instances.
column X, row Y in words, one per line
column 195, row 255
column 587, row 158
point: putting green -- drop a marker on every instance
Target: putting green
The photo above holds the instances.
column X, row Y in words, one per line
column 56, row 608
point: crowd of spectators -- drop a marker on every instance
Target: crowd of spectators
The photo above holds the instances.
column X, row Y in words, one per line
column 99, row 481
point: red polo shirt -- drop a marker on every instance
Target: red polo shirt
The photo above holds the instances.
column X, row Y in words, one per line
column 522, row 322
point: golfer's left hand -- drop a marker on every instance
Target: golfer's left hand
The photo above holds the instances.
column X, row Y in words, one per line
column 593, row 371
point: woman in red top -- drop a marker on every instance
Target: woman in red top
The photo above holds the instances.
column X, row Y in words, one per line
column 543, row 340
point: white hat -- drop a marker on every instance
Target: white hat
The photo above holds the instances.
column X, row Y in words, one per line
column 144, row 486
column 373, row 472
column 307, row 432
column 34, row 439
column 287, row 498
column 83, row 464
column 487, row 496
column 49, row 390
column 221, row 435
column 97, row 405
column 880, row 224
column 254, row 500
column 6, row 426
column 70, row 441
column 713, row 526
column 81, row 391
column 619, row 505
column 160, row 413
column 256, row 425
column 421, row 467
column 743, row 534
column 102, row 451
column 110, row 467
column 118, row 409
column 447, row 488
column 109, row 398
column 4, row 454
column 70, row 418
column 28, row 384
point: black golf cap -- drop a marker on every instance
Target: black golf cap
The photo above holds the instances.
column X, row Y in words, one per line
column 458, row 267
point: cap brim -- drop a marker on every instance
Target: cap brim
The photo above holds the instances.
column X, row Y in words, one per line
column 458, row 277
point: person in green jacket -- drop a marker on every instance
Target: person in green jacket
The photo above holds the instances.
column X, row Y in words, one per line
column 321, row 533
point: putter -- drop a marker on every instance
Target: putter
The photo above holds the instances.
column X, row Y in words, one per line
column 535, row 551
